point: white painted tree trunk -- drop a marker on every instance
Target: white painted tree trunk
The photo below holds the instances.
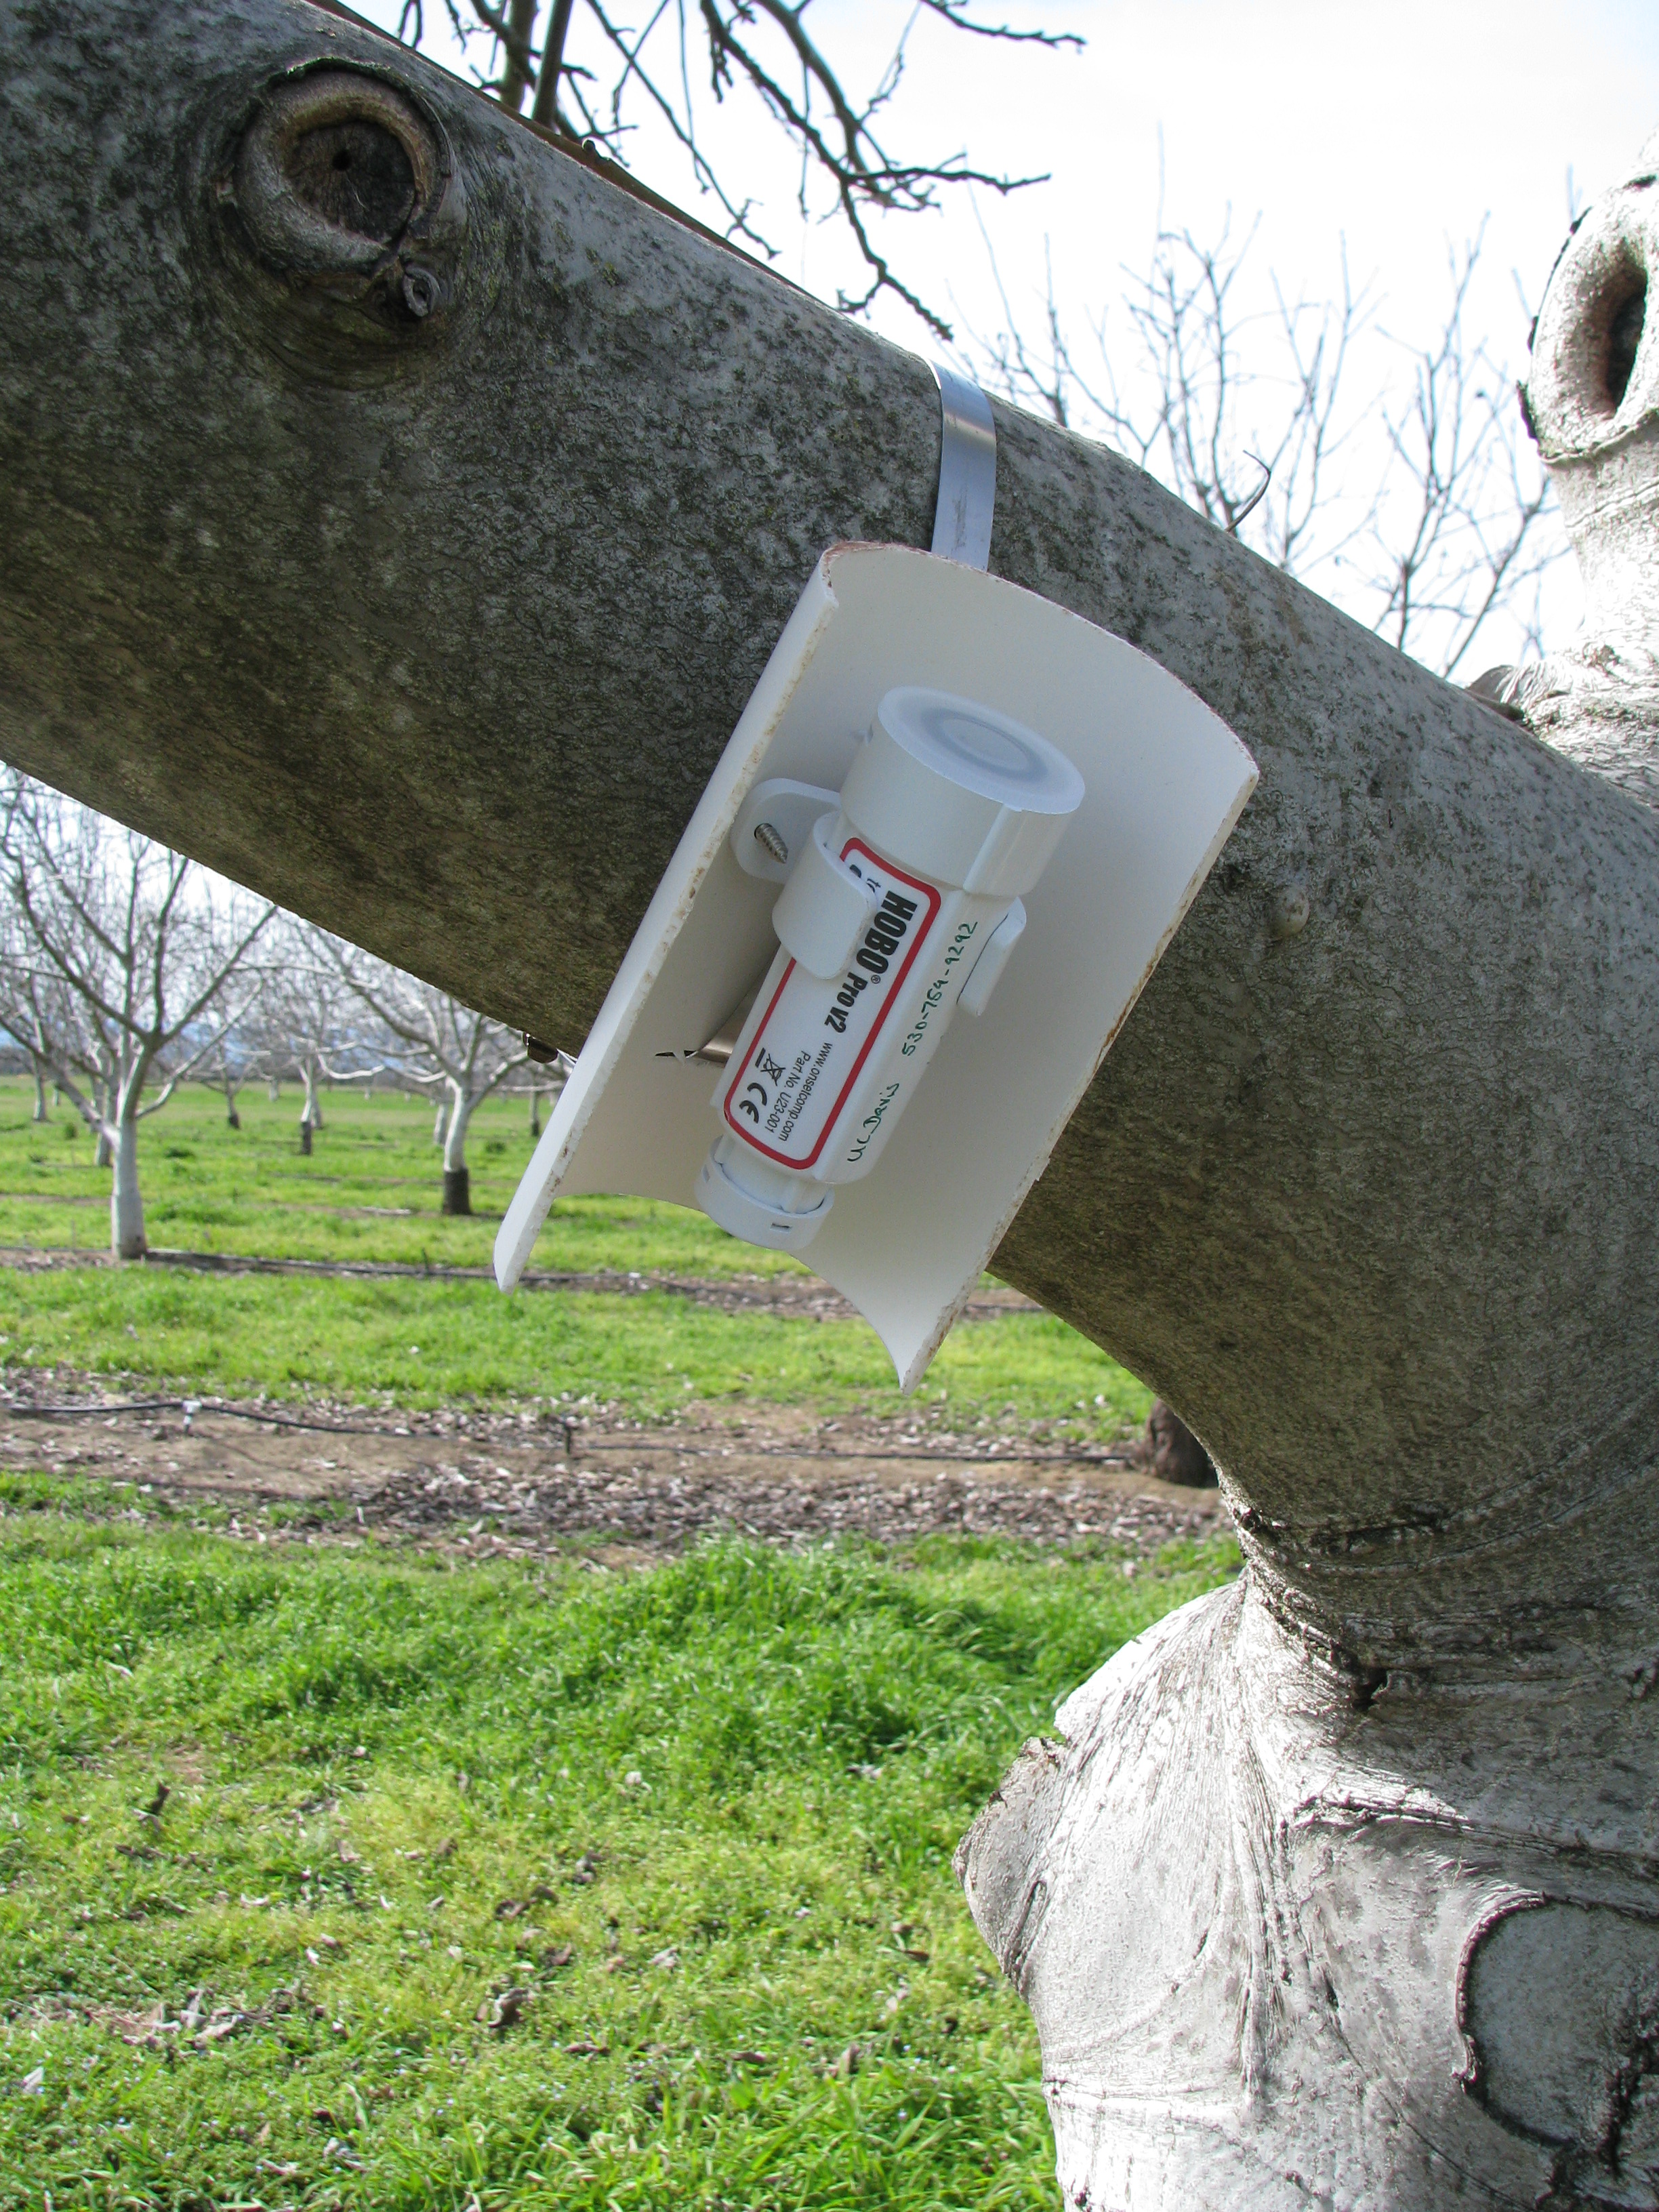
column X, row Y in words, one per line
column 440, row 1120
column 1288, row 1944
column 126, row 1205
column 311, row 1111
column 1344, row 1888
column 39, row 1113
column 460, row 1120
column 458, row 1191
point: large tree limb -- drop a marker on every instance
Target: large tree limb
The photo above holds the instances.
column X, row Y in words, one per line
column 419, row 589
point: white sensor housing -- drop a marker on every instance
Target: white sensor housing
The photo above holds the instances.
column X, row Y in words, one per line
column 895, row 902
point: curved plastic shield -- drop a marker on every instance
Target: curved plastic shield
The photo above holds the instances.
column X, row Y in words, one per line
column 1165, row 780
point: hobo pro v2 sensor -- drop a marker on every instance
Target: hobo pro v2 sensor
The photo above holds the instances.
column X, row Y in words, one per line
column 900, row 908
column 997, row 758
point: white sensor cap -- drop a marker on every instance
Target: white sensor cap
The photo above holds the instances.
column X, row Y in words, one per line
column 960, row 792
column 770, row 1206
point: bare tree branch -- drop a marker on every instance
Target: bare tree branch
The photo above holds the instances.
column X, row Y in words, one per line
column 748, row 44
column 110, row 970
column 1429, row 541
column 1468, row 541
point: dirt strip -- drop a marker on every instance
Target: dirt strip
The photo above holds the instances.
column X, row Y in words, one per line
column 549, row 1480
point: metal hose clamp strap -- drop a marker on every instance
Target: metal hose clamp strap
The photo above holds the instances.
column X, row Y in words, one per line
column 967, row 472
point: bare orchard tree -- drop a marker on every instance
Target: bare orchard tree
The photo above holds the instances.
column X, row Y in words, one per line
column 588, row 76
column 305, row 1022
column 39, row 1009
column 434, row 1043
column 1424, row 534
column 227, row 1069
column 120, row 969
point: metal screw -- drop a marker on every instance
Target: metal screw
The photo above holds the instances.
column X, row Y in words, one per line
column 420, row 292
column 771, row 843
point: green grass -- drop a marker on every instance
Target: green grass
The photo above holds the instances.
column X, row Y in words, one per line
column 370, row 1189
column 421, row 1341
column 427, row 1342
column 756, row 1763
column 764, row 1763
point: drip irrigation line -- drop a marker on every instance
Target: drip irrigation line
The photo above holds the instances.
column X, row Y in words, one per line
column 70, row 1413
column 950, row 1459
column 188, row 1406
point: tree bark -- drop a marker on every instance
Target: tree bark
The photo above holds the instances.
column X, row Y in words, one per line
column 39, row 1113
column 488, row 536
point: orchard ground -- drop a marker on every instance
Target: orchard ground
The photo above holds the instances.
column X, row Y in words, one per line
column 508, row 1753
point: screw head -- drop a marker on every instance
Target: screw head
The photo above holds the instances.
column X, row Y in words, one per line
column 1288, row 913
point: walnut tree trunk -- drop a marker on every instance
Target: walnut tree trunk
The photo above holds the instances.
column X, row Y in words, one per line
column 397, row 513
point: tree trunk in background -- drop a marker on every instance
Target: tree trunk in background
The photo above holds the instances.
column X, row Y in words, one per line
column 1344, row 1885
column 458, row 1195
column 126, row 1205
column 1172, row 1453
column 39, row 1113
column 440, row 1121
column 104, row 1152
column 311, row 1113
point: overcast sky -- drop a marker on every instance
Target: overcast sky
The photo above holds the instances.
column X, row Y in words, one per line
column 1399, row 126
column 1394, row 130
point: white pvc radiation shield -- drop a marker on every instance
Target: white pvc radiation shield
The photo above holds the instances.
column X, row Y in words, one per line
column 1164, row 780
